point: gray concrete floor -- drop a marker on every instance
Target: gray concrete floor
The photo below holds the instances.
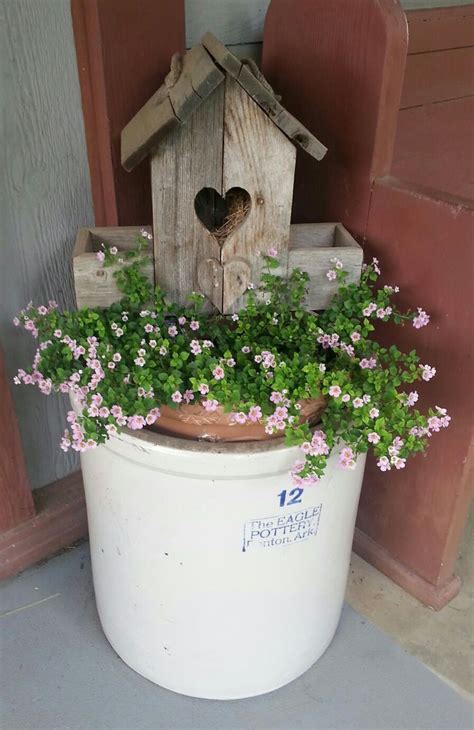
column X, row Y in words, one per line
column 60, row 673
column 443, row 640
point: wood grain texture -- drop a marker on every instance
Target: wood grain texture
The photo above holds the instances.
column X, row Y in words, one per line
column 418, row 516
column 259, row 159
column 437, row 76
column 123, row 56
column 312, row 246
column 16, row 502
column 436, row 30
column 60, row 520
column 45, row 198
column 339, row 67
column 187, row 160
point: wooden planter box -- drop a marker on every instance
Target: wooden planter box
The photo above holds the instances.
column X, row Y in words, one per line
column 311, row 248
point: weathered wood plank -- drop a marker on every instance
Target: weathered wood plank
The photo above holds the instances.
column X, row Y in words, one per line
column 261, row 160
column 312, row 246
column 199, row 77
column 438, row 76
column 154, row 120
column 189, row 159
column 96, row 285
column 264, row 97
column 436, row 30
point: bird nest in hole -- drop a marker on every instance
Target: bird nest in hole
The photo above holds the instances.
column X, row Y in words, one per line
column 222, row 215
column 235, row 215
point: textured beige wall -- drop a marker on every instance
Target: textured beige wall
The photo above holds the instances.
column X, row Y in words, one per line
column 44, row 198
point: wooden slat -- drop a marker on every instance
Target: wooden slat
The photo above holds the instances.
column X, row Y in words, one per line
column 264, row 97
column 425, row 245
column 312, row 246
column 122, row 58
column 95, row 285
column 187, row 160
column 437, row 76
column 339, row 67
column 261, row 160
column 16, row 502
column 437, row 29
column 60, row 520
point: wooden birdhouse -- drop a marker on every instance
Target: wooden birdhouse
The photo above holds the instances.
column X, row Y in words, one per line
column 222, row 151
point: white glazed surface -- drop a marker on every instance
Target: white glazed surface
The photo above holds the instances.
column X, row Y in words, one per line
column 180, row 599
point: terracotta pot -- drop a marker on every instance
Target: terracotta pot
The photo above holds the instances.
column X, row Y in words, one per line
column 194, row 422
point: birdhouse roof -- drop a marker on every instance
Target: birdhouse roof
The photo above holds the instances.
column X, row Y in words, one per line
column 190, row 81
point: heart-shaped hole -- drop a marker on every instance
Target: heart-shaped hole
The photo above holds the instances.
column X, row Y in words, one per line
column 221, row 215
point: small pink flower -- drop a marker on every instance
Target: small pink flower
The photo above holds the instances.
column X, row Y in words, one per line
column 374, row 413
column 181, row 321
column 111, row 365
column 177, row 397
column 148, row 328
column 230, row 362
column 421, row 319
column 16, row 321
column 357, row 402
column 113, row 250
column 347, row 458
column 103, row 412
column 255, row 414
column 203, row 389
column 210, row 405
column 346, row 398
column 369, row 309
column 116, row 411
column 188, row 396
column 272, row 252
column 239, row 417
column 411, row 398
column 355, row 336
column 116, row 357
column 218, row 372
column 194, row 325
column 383, row 464
column 195, row 347
column 281, row 412
column 163, row 350
column 152, row 416
column 140, row 361
column 100, row 255
column 335, row 391
column 152, row 344
column 427, row 372
column 173, row 330
column 373, row 438
column 331, row 275
column 245, row 349
column 57, row 333
column 276, row 397
column 119, row 332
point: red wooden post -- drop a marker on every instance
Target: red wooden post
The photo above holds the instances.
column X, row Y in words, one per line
column 123, row 54
column 16, row 502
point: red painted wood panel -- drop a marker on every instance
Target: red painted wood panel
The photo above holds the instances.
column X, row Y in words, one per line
column 16, row 502
column 436, row 29
column 123, row 54
column 433, row 146
column 438, row 76
column 425, row 245
column 339, row 67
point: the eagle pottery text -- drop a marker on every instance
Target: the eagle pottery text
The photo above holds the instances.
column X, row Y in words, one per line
column 267, row 532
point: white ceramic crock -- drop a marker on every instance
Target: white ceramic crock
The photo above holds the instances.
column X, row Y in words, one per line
column 214, row 576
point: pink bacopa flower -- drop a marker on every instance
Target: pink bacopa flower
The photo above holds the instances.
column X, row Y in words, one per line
column 337, row 263
column 57, row 333
column 245, row 349
column 195, row 347
column 100, row 255
column 181, row 321
column 210, row 405
column 203, row 389
column 188, row 396
column 140, row 361
column 116, row 411
column 152, row 344
column 355, row 336
column 136, row 422
column 16, row 321
column 369, row 309
column 119, row 332
column 218, row 372
column 173, row 330
column 272, row 252
column 322, row 367
column 383, row 464
column 347, row 458
column 111, row 365
column 255, row 414
column 116, row 357
column 113, row 251
column 230, row 362
column 152, row 416
column 368, row 363
column 346, row 398
column 421, row 319
column 276, row 397
column 331, row 275
column 239, row 417
column 148, row 328
column 357, row 402
column 373, row 437
column 207, row 344
column 177, row 397
column 104, row 412
column 163, row 350
column 374, row 413
column 194, row 324
column 427, row 372
column 398, row 462
column 335, row 391
column 411, row 398
column 381, row 313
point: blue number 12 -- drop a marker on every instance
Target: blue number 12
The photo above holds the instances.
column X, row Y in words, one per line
column 295, row 497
